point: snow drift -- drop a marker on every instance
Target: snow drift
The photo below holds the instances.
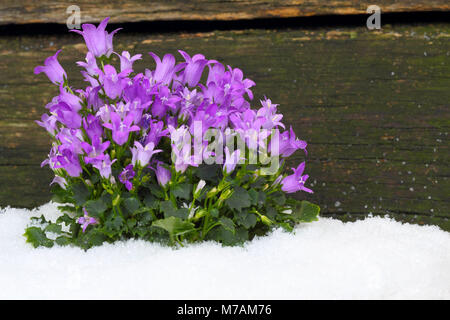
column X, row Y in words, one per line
column 376, row 258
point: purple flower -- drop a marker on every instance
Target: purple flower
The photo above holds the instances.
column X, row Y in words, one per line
column 104, row 113
column 156, row 132
column 68, row 160
column 49, row 123
column 104, row 166
column 52, row 69
column 268, row 113
column 126, row 175
column 90, row 65
column 182, row 158
column 52, row 159
column 113, row 82
column 163, row 100
column 70, row 99
column 121, row 129
column 66, row 115
column 288, row 143
column 72, row 138
column 59, row 180
column 296, row 181
column 194, row 68
column 165, row 69
column 163, row 175
column 98, row 41
column 142, row 155
column 231, row 160
column 95, row 151
column 228, row 87
column 86, row 220
column 93, row 100
column 126, row 61
column 93, row 127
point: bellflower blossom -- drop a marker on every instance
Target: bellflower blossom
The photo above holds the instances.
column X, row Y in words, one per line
column 121, row 128
column 163, row 175
column 126, row 175
column 52, row 69
column 104, row 166
column 141, row 155
column 68, row 160
column 126, row 61
column 231, row 160
column 98, row 41
column 94, row 152
column 49, row 123
column 86, row 220
column 296, row 182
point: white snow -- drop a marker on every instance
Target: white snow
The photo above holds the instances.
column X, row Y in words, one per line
column 376, row 258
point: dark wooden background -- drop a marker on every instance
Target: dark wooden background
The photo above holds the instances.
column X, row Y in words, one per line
column 373, row 105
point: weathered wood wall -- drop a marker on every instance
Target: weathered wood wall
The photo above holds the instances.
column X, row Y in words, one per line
column 374, row 107
column 54, row 11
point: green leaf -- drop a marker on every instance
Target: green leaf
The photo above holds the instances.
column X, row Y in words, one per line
column 208, row 172
column 253, row 196
column 36, row 236
column 131, row 205
column 145, row 216
column 278, row 197
column 59, row 194
column 93, row 237
column 151, row 202
column 66, row 219
column 271, row 212
column 257, row 198
column 95, row 207
column 167, row 207
column 246, row 219
column 239, row 199
column 131, row 223
column 306, row 212
column 214, row 213
column 40, row 220
column 113, row 226
column 227, row 237
column 53, row 227
column 182, row 191
column 286, row 226
column 174, row 226
column 181, row 213
column 95, row 178
column 156, row 190
column 80, row 193
column 62, row 241
column 67, row 208
column 228, row 224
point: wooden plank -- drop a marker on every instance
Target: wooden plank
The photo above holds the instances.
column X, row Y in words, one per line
column 374, row 107
column 52, row 11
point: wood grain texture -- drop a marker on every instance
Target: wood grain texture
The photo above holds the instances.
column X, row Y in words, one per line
column 374, row 107
column 51, row 11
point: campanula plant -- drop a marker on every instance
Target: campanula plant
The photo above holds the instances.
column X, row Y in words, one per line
column 162, row 156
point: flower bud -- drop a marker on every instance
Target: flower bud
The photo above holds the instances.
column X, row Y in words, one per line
column 199, row 188
column 200, row 213
column 116, row 200
column 266, row 220
column 225, row 195
column 211, row 192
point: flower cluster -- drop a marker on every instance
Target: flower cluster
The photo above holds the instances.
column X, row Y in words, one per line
column 133, row 157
